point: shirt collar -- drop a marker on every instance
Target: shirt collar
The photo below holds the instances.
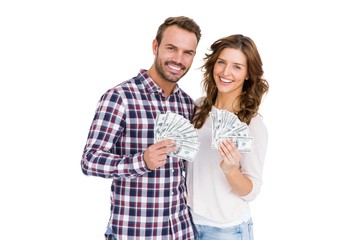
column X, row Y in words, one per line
column 150, row 84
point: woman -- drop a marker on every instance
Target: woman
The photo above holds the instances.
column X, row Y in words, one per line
column 221, row 182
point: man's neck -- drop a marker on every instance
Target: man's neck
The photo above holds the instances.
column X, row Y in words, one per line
column 167, row 86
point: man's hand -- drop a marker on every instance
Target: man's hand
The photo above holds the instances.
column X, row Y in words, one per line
column 156, row 154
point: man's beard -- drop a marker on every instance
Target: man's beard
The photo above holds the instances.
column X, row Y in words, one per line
column 159, row 66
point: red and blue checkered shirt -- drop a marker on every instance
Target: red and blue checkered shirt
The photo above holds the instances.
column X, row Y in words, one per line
column 145, row 204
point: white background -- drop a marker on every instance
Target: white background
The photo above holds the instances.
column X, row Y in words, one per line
column 58, row 57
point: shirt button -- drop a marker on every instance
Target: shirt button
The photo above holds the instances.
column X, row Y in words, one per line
column 173, row 170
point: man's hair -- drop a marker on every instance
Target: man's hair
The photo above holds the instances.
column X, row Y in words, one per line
column 182, row 22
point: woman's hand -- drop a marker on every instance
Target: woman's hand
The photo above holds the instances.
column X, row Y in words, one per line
column 230, row 155
column 230, row 164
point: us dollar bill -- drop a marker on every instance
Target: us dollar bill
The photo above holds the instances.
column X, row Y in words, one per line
column 226, row 125
column 174, row 126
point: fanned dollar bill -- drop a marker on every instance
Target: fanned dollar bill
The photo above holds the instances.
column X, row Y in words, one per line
column 174, row 126
column 226, row 125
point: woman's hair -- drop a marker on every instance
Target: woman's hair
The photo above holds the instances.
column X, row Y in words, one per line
column 253, row 89
column 182, row 22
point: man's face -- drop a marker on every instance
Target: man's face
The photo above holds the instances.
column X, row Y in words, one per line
column 175, row 54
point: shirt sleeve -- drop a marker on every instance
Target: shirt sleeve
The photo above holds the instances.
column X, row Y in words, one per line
column 106, row 128
column 252, row 163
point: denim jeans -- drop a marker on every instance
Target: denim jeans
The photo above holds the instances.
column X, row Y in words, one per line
column 109, row 235
column 243, row 231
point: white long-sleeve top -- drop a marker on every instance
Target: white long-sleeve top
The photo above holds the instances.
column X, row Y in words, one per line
column 210, row 197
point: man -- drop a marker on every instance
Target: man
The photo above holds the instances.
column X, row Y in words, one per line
column 148, row 189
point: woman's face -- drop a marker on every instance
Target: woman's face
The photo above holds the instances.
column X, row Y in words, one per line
column 230, row 71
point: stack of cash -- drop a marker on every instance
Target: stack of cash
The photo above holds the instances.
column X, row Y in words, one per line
column 226, row 125
column 174, row 126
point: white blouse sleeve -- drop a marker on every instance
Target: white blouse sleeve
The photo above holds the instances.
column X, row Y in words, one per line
column 252, row 163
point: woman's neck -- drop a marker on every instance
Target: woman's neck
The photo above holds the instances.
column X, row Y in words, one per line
column 228, row 103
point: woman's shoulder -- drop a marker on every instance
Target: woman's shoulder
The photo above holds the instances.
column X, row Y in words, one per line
column 199, row 101
column 257, row 125
column 257, row 118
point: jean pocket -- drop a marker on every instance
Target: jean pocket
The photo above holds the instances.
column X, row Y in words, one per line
column 250, row 229
column 109, row 235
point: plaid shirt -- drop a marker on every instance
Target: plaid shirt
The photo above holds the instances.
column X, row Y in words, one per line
column 145, row 204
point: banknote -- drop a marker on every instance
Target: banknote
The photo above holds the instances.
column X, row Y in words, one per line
column 244, row 144
column 173, row 126
column 226, row 125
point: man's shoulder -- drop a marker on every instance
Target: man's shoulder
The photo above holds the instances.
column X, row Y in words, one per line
column 129, row 84
column 122, row 89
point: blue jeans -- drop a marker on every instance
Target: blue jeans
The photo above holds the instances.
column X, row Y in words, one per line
column 109, row 235
column 243, row 231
